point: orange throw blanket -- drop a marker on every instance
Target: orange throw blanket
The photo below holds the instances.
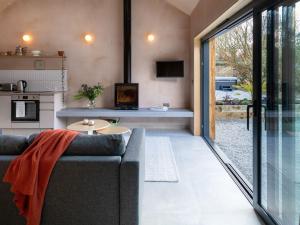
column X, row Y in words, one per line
column 30, row 172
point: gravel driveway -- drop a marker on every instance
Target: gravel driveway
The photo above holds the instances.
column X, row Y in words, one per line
column 235, row 141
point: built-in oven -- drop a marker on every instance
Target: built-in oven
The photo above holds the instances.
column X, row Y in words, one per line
column 25, row 108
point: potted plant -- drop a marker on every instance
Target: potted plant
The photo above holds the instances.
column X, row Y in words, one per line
column 91, row 93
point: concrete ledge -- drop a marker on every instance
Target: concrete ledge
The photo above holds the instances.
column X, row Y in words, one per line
column 112, row 113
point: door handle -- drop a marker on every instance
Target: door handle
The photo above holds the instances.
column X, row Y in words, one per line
column 248, row 116
column 265, row 115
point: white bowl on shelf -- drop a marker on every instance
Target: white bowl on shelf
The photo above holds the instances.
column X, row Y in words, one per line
column 36, row 52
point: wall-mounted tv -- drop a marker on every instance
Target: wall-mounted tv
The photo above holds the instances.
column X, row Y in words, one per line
column 170, row 69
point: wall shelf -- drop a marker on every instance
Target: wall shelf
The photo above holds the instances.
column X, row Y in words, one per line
column 30, row 56
column 53, row 62
column 112, row 113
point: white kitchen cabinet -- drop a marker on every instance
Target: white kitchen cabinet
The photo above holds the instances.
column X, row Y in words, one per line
column 47, row 98
column 21, row 125
column 46, row 119
column 49, row 105
column 5, row 112
column 47, row 112
column 46, row 106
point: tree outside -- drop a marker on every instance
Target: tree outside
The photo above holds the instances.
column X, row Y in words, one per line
column 234, row 49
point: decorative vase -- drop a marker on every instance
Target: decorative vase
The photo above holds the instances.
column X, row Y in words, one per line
column 92, row 104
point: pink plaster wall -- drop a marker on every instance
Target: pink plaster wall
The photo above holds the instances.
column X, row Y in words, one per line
column 171, row 28
column 58, row 25
column 206, row 12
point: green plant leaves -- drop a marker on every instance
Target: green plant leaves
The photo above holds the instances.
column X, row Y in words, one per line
column 89, row 92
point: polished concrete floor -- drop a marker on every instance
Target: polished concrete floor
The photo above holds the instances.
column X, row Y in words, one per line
column 205, row 195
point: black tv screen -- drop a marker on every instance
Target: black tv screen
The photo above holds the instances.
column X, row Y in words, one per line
column 170, row 69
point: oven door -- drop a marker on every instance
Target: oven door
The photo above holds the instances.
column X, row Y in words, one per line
column 25, row 111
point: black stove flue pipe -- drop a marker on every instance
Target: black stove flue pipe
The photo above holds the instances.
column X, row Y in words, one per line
column 127, row 41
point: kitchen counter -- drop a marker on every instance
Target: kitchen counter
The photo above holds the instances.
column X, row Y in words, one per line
column 49, row 104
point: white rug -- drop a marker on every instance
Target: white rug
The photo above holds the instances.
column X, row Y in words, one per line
column 160, row 160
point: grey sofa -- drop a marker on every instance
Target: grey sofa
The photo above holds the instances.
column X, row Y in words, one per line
column 98, row 181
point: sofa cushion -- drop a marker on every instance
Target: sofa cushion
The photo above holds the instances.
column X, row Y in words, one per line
column 97, row 145
column 94, row 145
column 12, row 145
column 83, row 145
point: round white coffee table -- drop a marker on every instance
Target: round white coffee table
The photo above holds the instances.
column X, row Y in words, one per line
column 113, row 130
column 79, row 126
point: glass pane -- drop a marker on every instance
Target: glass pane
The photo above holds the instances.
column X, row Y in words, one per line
column 280, row 176
column 231, row 89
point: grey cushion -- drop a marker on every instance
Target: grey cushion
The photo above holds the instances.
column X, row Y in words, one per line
column 9, row 214
column 12, row 145
column 94, row 145
column 83, row 190
column 83, row 145
column 97, row 145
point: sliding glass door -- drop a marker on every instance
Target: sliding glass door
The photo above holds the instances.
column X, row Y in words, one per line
column 250, row 63
column 279, row 113
column 228, row 87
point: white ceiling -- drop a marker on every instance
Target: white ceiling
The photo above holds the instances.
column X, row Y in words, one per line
column 186, row 6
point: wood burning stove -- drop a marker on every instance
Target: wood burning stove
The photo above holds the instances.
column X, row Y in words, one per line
column 127, row 96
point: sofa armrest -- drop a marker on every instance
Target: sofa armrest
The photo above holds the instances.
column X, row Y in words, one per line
column 132, row 179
